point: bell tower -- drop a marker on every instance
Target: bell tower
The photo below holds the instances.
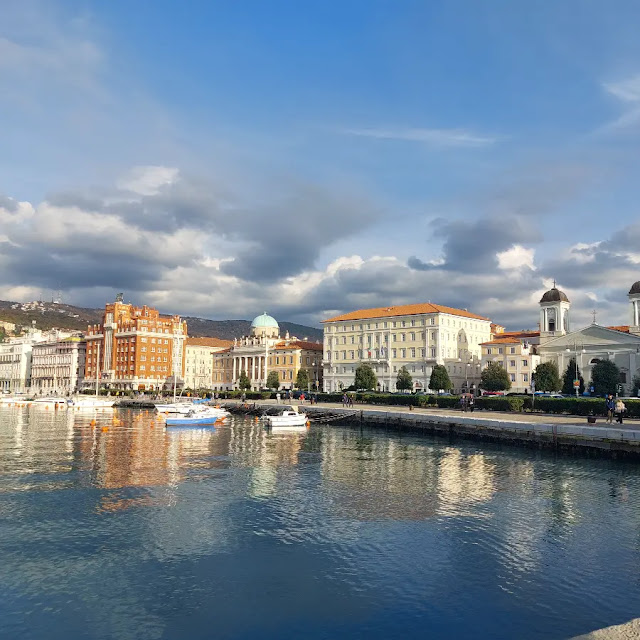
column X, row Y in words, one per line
column 554, row 314
column 634, row 298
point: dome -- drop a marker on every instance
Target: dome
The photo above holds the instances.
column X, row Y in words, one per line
column 264, row 321
column 554, row 295
column 635, row 288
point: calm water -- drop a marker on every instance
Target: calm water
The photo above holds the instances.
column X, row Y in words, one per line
column 133, row 531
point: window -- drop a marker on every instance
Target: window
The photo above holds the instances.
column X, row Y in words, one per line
column 433, row 352
column 489, row 351
column 393, row 353
column 277, row 359
column 412, row 336
column 525, row 377
column 432, row 320
column 402, row 337
column 512, row 363
column 512, row 350
column 403, row 353
column 525, row 363
column 512, row 377
column 353, row 339
column 499, row 349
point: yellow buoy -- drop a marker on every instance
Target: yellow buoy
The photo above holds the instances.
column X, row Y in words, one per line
column 105, row 428
column 93, row 423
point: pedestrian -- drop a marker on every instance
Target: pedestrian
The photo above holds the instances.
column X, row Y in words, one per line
column 278, row 397
column 302, row 398
column 619, row 410
column 472, row 403
column 610, row 406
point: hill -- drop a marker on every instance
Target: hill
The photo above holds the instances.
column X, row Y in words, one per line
column 49, row 315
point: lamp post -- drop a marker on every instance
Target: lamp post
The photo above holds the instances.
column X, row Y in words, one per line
column 576, row 380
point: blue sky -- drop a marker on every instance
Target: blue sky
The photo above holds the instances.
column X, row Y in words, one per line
column 222, row 158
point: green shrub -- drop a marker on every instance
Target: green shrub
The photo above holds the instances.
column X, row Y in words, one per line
column 500, row 403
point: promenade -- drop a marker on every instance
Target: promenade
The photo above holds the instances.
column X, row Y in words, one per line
column 543, row 430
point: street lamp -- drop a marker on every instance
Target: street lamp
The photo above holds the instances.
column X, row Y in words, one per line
column 576, row 380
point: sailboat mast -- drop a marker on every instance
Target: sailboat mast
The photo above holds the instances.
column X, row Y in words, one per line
column 97, row 369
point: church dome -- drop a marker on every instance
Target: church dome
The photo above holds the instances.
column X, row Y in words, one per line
column 264, row 321
column 635, row 288
column 554, row 295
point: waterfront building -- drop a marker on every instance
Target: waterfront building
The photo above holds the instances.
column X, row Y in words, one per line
column 417, row 336
column 589, row 345
column 264, row 350
column 198, row 370
column 135, row 348
column 16, row 354
column 57, row 367
column 516, row 353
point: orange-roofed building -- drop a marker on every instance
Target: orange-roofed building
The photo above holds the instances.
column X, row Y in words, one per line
column 198, row 370
column 516, row 354
column 264, row 351
column 416, row 336
column 135, row 348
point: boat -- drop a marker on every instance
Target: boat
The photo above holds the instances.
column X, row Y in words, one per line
column 287, row 419
column 14, row 398
column 56, row 401
column 176, row 407
column 91, row 402
column 200, row 416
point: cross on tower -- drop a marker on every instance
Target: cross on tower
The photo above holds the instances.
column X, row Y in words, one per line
column 554, row 283
column 594, row 312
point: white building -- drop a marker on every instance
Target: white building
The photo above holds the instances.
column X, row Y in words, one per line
column 15, row 358
column 417, row 336
column 57, row 367
column 620, row 344
column 198, row 371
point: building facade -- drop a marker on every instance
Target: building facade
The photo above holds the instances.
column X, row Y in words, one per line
column 57, row 367
column 589, row 345
column 198, row 370
column 516, row 354
column 416, row 336
column 262, row 351
column 135, row 348
column 16, row 355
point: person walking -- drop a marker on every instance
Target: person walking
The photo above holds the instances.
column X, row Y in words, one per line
column 278, row 397
column 610, row 406
column 619, row 410
column 472, row 403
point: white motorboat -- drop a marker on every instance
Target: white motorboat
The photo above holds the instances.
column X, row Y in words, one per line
column 176, row 407
column 56, row 401
column 91, row 402
column 14, row 398
column 287, row 419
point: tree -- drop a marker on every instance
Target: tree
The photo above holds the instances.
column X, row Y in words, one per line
column 605, row 377
column 636, row 385
column 547, row 377
column 365, row 377
column 440, row 380
column 494, row 377
column 404, row 381
column 570, row 376
column 273, row 380
column 302, row 379
column 244, row 382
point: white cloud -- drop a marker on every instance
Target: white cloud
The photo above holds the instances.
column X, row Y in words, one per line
column 517, row 257
column 434, row 137
column 628, row 93
column 147, row 181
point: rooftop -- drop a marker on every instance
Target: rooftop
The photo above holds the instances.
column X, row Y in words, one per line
column 405, row 310
column 208, row 342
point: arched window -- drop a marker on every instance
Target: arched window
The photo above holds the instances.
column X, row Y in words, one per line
column 594, row 360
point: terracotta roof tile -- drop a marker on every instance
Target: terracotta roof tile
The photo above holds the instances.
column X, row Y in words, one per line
column 208, row 342
column 499, row 341
column 299, row 344
column 624, row 328
column 404, row 310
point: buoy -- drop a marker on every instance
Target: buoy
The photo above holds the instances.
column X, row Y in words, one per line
column 93, row 423
column 105, row 428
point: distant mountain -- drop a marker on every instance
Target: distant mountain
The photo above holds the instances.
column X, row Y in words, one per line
column 49, row 315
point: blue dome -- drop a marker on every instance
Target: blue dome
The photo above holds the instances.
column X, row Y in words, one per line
column 265, row 320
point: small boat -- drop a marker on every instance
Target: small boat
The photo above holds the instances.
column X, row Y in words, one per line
column 175, row 407
column 56, row 401
column 287, row 419
column 13, row 398
column 200, row 416
column 91, row 403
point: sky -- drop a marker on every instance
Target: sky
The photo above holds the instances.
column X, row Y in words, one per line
column 222, row 158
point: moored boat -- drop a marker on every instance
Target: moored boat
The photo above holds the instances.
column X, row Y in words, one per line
column 287, row 419
column 200, row 416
